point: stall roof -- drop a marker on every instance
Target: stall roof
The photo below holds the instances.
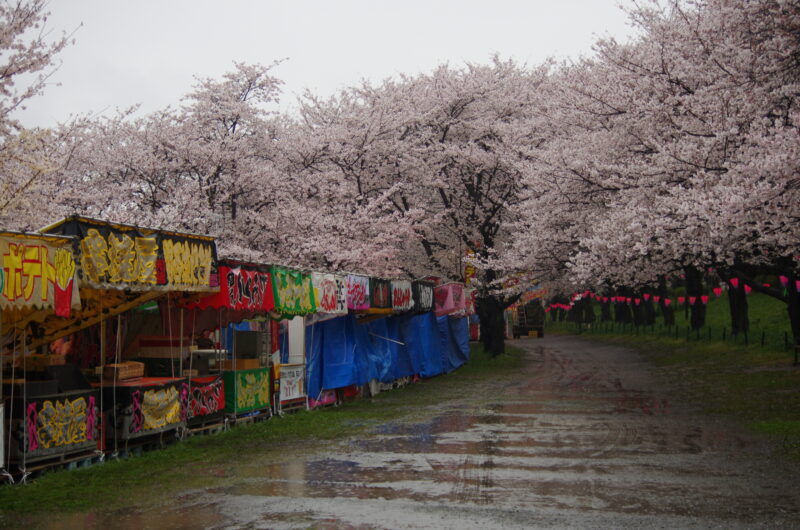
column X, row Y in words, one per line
column 122, row 256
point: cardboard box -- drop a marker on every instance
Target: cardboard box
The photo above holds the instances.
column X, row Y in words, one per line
column 241, row 364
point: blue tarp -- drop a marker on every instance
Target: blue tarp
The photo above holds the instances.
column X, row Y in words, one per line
column 454, row 334
column 341, row 352
column 421, row 334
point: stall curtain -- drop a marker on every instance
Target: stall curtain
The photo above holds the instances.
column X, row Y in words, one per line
column 242, row 288
column 330, row 293
column 380, row 293
column 293, row 292
column 423, row 296
column 357, row 292
column 448, row 298
column 402, row 299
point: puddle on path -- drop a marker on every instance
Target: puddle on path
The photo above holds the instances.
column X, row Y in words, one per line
column 582, row 438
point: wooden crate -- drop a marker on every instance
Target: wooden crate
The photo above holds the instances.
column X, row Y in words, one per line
column 124, row 370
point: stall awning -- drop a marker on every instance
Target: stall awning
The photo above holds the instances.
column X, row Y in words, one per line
column 245, row 287
column 38, row 276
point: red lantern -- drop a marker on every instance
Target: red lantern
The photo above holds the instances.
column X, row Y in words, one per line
column 605, row 299
column 767, row 285
column 797, row 285
column 629, row 300
column 717, row 291
column 784, row 280
column 646, row 296
column 704, row 299
column 692, row 300
column 667, row 301
column 735, row 282
column 656, row 298
column 637, row 301
column 747, row 289
column 681, row 299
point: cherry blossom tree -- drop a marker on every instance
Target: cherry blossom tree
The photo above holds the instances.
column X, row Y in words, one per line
column 27, row 60
column 447, row 151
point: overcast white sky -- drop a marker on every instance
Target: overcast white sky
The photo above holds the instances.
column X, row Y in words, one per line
column 149, row 51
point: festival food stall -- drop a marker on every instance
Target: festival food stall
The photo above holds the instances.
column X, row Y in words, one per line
column 49, row 415
column 247, row 384
column 240, row 383
column 123, row 267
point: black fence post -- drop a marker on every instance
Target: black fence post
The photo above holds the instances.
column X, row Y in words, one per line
column 763, row 337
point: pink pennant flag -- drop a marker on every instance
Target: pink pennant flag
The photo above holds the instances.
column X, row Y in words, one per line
column 667, row 301
column 784, row 280
column 747, row 289
column 681, row 299
column 735, row 282
column 704, row 299
column 637, row 301
column 646, row 296
column 656, row 298
column 717, row 291
column 692, row 300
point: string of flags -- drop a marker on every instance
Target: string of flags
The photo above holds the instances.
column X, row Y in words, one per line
column 682, row 300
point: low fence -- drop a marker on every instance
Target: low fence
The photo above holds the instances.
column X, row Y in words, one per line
column 763, row 338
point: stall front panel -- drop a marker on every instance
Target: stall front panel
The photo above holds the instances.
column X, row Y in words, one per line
column 118, row 256
column 53, row 424
column 37, row 273
column 357, row 292
column 293, row 292
column 146, row 405
column 246, row 390
column 206, row 400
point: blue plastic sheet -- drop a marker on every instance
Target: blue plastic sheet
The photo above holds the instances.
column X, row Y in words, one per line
column 454, row 334
column 341, row 352
column 421, row 334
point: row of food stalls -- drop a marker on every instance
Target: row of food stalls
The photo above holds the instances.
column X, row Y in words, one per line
column 112, row 335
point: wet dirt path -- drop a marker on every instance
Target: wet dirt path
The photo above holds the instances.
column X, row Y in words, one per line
column 584, row 437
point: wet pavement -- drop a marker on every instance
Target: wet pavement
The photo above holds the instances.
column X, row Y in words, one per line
column 583, row 437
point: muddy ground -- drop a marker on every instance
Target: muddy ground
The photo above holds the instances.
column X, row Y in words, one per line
column 585, row 436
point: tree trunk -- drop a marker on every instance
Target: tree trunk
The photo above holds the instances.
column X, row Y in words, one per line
column 666, row 310
column 737, row 302
column 694, row 288
column 605, row 311
column 793, row 306
column 491, row 312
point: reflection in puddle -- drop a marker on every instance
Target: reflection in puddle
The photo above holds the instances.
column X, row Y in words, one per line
column 573, row 441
